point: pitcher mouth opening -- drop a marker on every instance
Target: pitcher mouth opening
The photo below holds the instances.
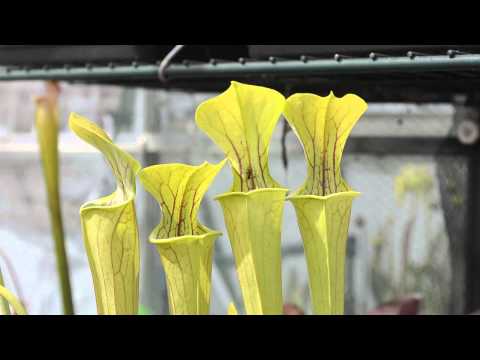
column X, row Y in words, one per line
column 344, row 194
column 230, row 194
column 185, row 238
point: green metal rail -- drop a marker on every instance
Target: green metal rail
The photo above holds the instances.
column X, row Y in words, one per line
column 317, row 67
column 94, row 73
column 329, row 67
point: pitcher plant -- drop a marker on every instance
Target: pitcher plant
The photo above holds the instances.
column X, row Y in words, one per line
column 241, row 122
column 184, row 244
column 323, row 203
column 109, row 227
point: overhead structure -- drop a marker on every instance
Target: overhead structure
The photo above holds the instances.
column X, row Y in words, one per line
column 395, row 73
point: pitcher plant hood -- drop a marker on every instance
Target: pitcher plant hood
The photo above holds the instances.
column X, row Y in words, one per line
column 241, row 122
column 179, row 190
column 323, row 125
column 109, row 226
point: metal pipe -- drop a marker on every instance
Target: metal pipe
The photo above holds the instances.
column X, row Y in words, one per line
column 327, row 66
column 141, row 72
column 233, row 69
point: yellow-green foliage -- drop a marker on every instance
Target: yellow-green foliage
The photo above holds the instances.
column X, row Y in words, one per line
column 323, row 203
column 241, row 122
column 184, row 244
column 109, row 227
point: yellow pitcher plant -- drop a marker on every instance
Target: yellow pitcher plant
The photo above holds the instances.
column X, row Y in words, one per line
column 241, row 122
column 323, row 203
column 109, row 227
column 46, row 124
column 185, row 245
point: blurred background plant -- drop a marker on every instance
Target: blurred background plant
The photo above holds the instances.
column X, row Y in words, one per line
column 6, row 264
column 47, row 127
column 427, row 275
column 297, row 293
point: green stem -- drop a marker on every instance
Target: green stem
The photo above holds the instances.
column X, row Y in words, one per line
column 4, row 307
column 46, row 121
column 53, row 196
column 62, row 262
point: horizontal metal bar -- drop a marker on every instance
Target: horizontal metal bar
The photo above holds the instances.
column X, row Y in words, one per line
column 328, row 67
column 233, row 70
column 94, row 73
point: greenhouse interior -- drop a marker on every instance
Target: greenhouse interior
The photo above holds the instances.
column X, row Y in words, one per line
column 382, row 223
